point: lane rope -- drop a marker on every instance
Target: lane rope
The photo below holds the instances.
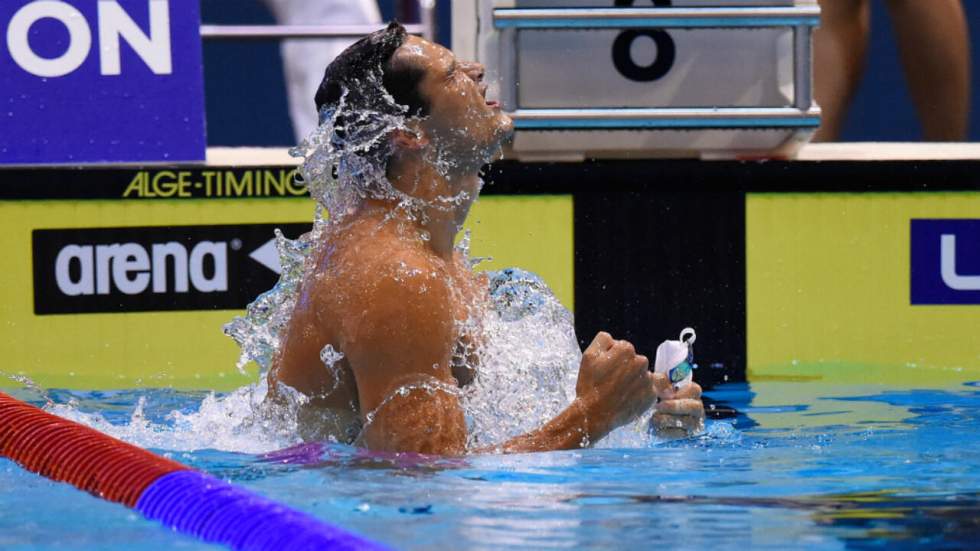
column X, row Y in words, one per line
column 163, row 490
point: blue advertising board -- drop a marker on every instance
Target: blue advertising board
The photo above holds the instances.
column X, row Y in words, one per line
column 945, row 261
column 93, row 81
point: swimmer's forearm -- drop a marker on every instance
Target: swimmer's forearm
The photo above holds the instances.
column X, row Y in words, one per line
column 571, row 429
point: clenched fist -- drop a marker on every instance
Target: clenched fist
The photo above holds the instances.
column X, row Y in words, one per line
column 614, row 384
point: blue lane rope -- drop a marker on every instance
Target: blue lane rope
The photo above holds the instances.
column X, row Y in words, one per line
column 216, row 511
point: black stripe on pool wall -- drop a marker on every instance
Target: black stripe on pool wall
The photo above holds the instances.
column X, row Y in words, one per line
column 503, row 178
column 170, row 183
column 649, row 263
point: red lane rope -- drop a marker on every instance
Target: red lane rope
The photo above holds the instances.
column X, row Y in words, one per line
column 84, row 457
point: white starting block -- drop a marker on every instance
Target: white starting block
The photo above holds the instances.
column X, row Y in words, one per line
column 682, row 78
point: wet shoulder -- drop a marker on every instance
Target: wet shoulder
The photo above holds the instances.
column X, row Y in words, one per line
column 370, row 266
column 394, row 294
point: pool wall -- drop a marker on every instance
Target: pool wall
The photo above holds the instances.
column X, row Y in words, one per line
column 788, row 269
column 848, row 278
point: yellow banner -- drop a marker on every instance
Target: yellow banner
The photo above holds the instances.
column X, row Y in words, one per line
column 186, row 349
column 828, row 294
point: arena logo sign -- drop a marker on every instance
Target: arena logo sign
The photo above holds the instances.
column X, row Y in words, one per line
column 127, row 267
column 139, row 269
column 945, row 261
column 88, row 81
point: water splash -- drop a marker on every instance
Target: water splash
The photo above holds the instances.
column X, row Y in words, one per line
column 463, row 248
column 526, row 365
column 525, row 359
column 331, row 360
column 343, row 158
column 30, row 385
column 258, row 331
column 343, row 165
column 429, row 387
column 242, row 421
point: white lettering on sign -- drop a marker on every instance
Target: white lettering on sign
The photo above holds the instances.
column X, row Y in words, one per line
column 85, row 285
column 131, row 269
column 79, row 38
column 947, row 267
column 114, row 24
column 218, row 252
column 178, row 253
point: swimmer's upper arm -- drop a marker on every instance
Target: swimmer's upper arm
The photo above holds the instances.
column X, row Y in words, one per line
column 399, row 347
column 296, row 362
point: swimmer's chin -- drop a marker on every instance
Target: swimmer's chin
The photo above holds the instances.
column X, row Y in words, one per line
column 495, row 150
column 507, row 126
column 506, row 129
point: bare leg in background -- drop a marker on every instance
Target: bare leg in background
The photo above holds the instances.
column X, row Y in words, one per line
column 839, row 48
column 933, row 42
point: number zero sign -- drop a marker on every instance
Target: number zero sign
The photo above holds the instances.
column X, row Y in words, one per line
column 623, row 59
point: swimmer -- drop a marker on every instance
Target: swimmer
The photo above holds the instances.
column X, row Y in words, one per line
column 387, row 291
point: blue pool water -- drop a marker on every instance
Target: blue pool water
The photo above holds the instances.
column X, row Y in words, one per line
column 784, row 465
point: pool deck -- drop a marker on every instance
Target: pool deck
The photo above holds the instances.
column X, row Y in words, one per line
column 859, row 151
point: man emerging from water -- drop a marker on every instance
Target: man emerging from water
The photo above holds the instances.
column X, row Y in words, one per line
column 388, row 292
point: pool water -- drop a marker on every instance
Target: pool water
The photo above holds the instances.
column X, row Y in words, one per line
column 781, row 465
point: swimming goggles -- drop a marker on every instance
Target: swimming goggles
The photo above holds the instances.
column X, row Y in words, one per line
column 680, row 371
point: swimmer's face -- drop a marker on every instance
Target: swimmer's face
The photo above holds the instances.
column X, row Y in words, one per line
column 461, row 120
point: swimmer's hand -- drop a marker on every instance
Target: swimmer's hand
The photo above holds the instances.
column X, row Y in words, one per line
column 614, row 385
column 679, row 413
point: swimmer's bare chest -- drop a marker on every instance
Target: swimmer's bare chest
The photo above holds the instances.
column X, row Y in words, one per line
column 325, row 314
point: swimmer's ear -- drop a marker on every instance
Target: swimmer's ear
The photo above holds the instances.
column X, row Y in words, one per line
column 408, row 139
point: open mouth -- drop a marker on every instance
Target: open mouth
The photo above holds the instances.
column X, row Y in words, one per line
column 493, row 103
